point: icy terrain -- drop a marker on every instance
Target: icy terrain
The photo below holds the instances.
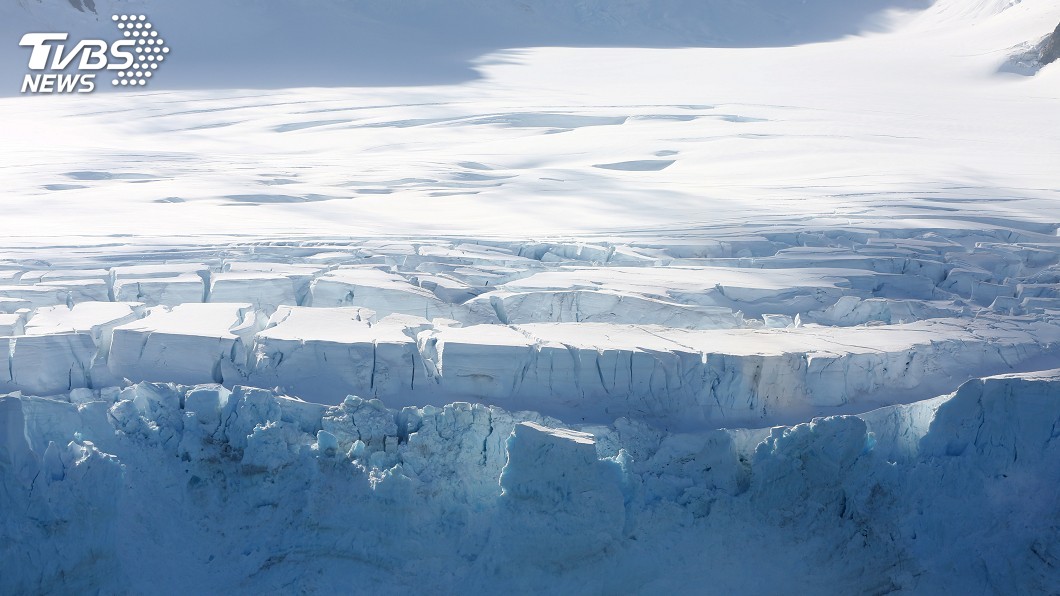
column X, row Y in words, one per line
column 690, row 297
column 207, row 490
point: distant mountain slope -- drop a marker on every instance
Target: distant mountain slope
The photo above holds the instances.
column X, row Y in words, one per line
column 299, row 43
column 361, row 42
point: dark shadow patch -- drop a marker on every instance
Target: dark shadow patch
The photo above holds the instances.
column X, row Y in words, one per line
column 410, row 123
column 638, row 165
column 474, row 165
column 473, row 177
column 736, row 118
column 263, row 199
column 452, row 193
column 546, row 120
column 210, row 126
column 293, row 43
column 89, row 175
column 399, row 182
column 293, row 126
column 672, row 117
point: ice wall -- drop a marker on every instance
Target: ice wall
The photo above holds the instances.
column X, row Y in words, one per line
column 945, row 495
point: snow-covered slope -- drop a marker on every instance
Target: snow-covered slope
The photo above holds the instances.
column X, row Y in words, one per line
column 903, row 129
column 290, row 43
column 544, row 273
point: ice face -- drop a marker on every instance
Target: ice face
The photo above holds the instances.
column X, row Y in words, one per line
column 328, row 352
column 559, row 352
column 382, row 292
column 532, row 499
column 189, row 343
column 539, row 445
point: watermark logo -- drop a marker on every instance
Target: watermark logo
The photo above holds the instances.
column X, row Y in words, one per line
column 134, row 58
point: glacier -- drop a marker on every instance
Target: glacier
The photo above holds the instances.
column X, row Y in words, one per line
column 542, row 296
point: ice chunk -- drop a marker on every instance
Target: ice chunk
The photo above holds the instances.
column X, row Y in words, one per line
column 326, row 353
column 83, row 395
column 34, row 296
column 88, row 290
column 13, row 324
column 96, row 318
column 385, row 293
column 979, row 421
column 805, row 467
column 191, row 343
column 15, row 452
column 356, row 419
column 555, row 473
column 481, row 360
column 754, row 291
column 599, row 371
column 777, row 321
column 851, row 310
column 205, row 403
column 51, row 364
column 159, row 270
column 13, row 305
column 447, row 289
column 247, row 409
column 49, row 420
column 270, row 446
column 327, row 444
column 566, row 306
column 154, row 291
column 52, row 275
column 265, row 290
column 694, row 470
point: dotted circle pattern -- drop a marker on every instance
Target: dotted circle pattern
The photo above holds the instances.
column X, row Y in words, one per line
column 150, row 50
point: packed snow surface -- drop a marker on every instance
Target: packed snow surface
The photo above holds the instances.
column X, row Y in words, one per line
column 608, row 297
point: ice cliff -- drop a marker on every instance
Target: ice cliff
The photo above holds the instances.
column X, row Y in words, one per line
column 156, row 486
